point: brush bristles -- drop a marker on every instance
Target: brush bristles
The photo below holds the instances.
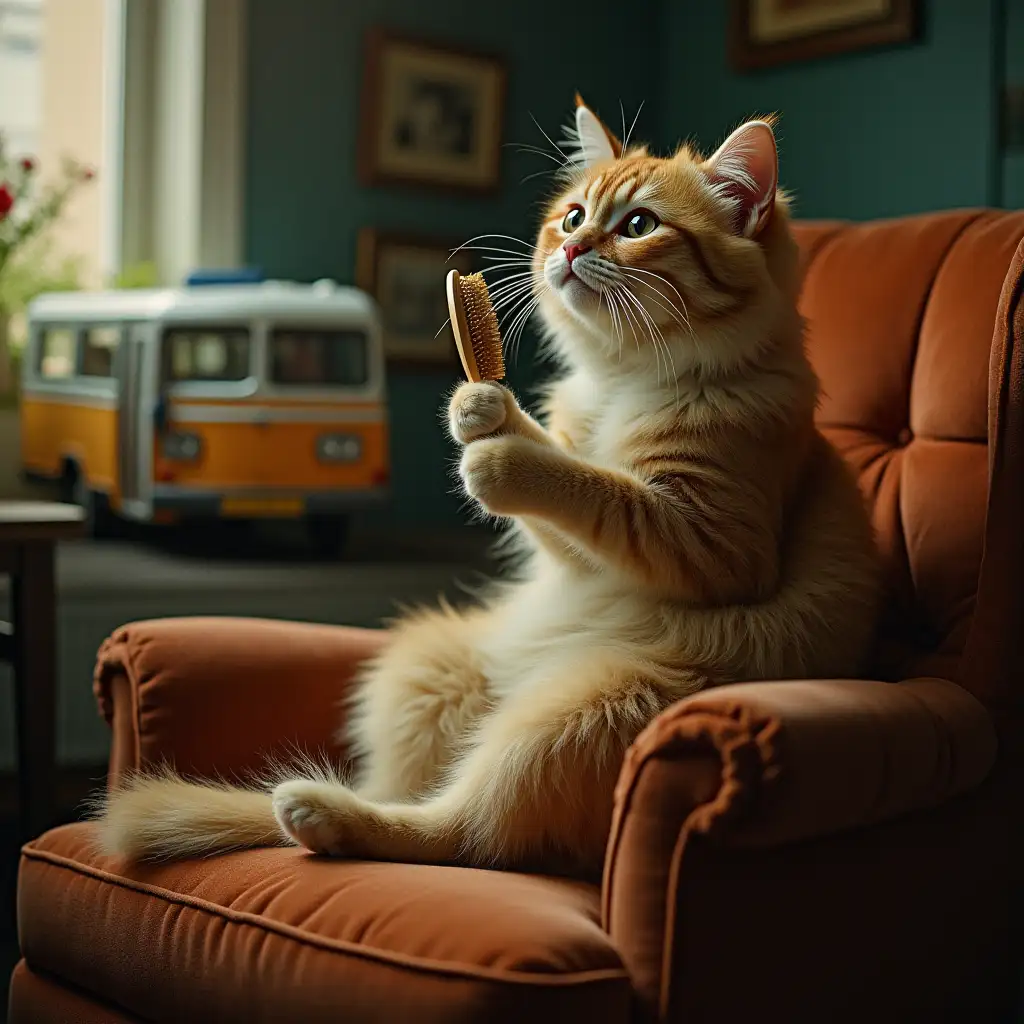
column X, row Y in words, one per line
column 482, row 321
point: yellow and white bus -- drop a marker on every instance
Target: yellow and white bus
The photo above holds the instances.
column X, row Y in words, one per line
column 218, row 401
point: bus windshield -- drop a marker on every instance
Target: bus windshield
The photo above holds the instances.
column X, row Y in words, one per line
column 206, row 354
column 318, row 357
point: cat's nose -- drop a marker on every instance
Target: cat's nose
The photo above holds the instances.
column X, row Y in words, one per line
column 572, row 250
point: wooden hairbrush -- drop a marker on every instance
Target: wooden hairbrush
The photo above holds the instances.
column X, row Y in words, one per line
column 475, row 325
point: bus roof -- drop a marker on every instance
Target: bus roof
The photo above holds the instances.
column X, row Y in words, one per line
column 271, row 298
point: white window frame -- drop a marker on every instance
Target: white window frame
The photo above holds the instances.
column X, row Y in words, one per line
column 176, row 115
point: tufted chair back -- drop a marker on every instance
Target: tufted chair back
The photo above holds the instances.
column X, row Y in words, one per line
column 912, row 325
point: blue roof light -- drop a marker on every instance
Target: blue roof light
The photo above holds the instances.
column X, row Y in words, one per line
column 240, row 275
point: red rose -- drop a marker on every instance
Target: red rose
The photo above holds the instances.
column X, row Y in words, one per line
column 6, row 201
column 28, row 164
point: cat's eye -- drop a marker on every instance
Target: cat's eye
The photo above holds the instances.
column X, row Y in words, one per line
column 573, row 219
column 638, row 224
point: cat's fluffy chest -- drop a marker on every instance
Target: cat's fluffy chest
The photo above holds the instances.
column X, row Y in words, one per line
column 605, row 418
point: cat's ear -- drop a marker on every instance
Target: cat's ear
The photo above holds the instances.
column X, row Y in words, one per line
column 745, row 173
column 596, row 143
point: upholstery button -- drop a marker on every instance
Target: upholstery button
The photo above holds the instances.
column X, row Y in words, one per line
column 904, row 437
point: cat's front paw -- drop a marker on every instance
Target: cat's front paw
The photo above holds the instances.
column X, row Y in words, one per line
column 475, row 411
column 312, row 814
column 502, row 473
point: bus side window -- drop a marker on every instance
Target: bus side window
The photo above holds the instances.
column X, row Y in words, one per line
column 98, row 349
column 56, row 351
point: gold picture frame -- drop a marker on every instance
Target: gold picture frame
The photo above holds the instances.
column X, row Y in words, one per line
column 766, row 33
column 431, row 115
column 405, row 274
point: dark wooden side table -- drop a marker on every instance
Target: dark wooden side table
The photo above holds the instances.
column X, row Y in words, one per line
column 29, row 532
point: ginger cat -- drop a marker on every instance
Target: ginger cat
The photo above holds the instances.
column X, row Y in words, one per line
column 684, row 525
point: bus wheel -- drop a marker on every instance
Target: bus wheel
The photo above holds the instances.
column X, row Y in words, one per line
column 328, row 535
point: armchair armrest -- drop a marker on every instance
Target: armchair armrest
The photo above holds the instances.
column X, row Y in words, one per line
column 216, row 696
column 768, row 765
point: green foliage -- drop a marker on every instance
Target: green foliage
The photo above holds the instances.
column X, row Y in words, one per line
column 138, row 275
column 34, row 271
column 27, row 206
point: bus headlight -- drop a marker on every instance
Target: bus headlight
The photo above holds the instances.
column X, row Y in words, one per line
column 182, row 447
column 339, row 448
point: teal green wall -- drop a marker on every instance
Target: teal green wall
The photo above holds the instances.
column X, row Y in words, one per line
column 869, row 134
column 875, row 133
column 1013, row 162
column 304, row 206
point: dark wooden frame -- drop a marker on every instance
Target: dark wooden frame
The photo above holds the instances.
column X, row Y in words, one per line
column 368, row 248
column 900, row 25
column 369, row 122
column 29, row 532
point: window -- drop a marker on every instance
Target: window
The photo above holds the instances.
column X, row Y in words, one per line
column 206, row 354
column 98, row 351
column 57, row 353
column 318, row 357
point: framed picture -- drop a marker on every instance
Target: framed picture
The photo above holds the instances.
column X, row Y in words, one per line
column 430, row 115
column 769, row 32
column 405, row 275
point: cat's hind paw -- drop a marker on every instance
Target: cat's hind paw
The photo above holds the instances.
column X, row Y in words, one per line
column 314, row 814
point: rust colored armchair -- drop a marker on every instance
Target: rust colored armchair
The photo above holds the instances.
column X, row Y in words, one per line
column 816, row 851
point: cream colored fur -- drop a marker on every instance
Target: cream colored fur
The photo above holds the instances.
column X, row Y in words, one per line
column 682, row 525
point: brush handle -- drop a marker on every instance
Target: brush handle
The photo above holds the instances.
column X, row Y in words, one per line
column 460, row 328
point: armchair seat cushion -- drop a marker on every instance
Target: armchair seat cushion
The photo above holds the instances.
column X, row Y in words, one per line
column 277, row 935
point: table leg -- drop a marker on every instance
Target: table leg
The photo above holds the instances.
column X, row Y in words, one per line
column 34, row 615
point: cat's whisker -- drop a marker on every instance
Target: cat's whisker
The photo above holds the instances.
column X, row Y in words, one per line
column 670, row 363
column 638, row 272
column 512, row 298
column 561, row 154
column 659, row 341
column 524, row 147
column 669, row 284
column 507, row 265
column 535, row 174
column 514, row 301
column 661, row 345
column 480, row 238
column 616, row 321
column 519, row 324
column 514, row 346
column 511, row 302
column 633, row 322
column 513, row 274
column 511, row 265
column 659, row 300
column 657, row 277
column 625, row 144
column 522, row 329
column 494, row 248
column 636, row 323
column 442, row 327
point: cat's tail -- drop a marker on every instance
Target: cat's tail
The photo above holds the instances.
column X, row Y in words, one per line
column 161, row 816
